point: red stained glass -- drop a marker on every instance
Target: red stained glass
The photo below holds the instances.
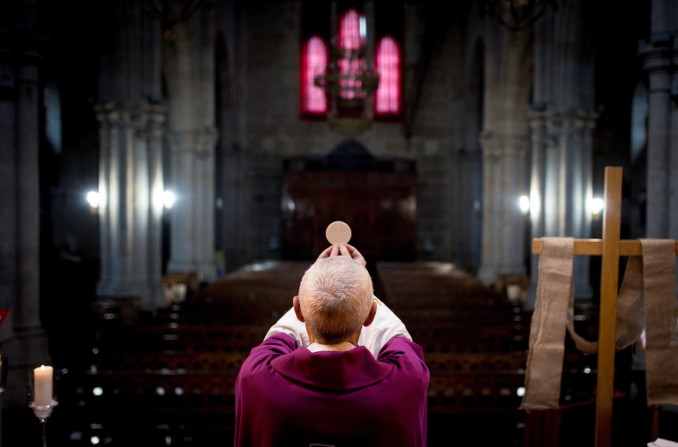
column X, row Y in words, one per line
column 388, row 95
column 314, row 62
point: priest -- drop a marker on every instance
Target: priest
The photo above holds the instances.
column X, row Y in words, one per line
column 338, row 369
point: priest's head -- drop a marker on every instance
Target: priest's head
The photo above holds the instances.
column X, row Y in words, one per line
column 335, row 300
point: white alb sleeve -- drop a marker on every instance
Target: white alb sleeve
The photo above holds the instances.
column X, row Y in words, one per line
column 289, row 324
column 385, row 326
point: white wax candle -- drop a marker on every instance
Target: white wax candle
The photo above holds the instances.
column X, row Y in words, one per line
column 42, row 386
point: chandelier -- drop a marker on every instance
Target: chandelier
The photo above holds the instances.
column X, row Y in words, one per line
column 348, row 80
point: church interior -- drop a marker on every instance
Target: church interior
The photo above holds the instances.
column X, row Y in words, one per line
column 170, row 166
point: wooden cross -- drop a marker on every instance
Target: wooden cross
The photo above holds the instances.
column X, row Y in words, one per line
column 610, row 247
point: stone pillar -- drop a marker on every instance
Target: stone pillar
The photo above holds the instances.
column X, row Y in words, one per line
column 561, row 182
column 189, row 52
column 27, row 317
column 132, row 120
column 23, row 339
column 661, row 60
column 131, row 184
column 561, row 125
column 504, row 173
column 662, row 143
column 192, row 217
column 504, row 141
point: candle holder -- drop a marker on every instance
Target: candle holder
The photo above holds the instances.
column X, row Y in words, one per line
column 42, row 386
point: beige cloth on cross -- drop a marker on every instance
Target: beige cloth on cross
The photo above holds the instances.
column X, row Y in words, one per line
column 547, row 330
column 647, row 299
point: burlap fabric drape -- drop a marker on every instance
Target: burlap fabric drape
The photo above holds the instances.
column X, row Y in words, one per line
column 547, row 330
column 647, row 299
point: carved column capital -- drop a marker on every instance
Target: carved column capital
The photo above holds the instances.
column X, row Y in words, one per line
column 578, row 118
column 657, row 58
column 660, row 63
column 131, row 115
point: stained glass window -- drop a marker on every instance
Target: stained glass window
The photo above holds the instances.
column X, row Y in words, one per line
column 313, row 62
column 388, row 98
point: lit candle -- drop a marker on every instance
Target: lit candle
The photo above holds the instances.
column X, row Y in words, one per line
column 42, row 386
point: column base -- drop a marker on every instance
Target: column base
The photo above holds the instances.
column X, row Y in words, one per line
column 204, row 271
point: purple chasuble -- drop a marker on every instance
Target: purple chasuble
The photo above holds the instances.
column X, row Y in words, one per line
column 289, row 396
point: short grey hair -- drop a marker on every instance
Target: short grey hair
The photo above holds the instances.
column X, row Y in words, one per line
column 335, row 296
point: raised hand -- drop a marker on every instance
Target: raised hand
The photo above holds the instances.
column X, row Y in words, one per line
column 346, row 250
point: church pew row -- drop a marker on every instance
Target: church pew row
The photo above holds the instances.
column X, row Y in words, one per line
column 459, row 382
column 421, row 298
column 486, row 362
column 434, row 274
column 129, row 408
column 466, row 339
column 478, row 315
column 229, row 363
column 482, row 408
column 444, row 363
column 197, row 409
column 432, row 334
column 467, row 324
column 170, row 362
column 246, row 293
column 195, row 337
column 190, row 398
column 409, row 285
column 472, row 409
column 265, row 281
column 201, row 339
column 262, row 314
column 241, row 310
column 475, row 391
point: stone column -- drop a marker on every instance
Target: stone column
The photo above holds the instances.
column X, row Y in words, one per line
column 27, row 317
column 561, row 182
column 23, row 339
column 189, row 52
column 131, row 184
column 504, row 173
column 30, row 338
column 561, row 125
column 662, row 144
column 504, row 141
column 192, row 217
column 132, row 119
column 661, row 59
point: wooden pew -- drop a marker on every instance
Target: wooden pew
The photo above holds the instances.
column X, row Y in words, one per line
column 475, row 409
column 465, row 338
column 477, row 362
column 130, row 408
column 170, row 362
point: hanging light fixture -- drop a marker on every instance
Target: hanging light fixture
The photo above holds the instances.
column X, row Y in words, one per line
column 349, row 78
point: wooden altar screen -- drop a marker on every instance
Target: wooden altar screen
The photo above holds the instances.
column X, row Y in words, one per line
column 376, row 198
